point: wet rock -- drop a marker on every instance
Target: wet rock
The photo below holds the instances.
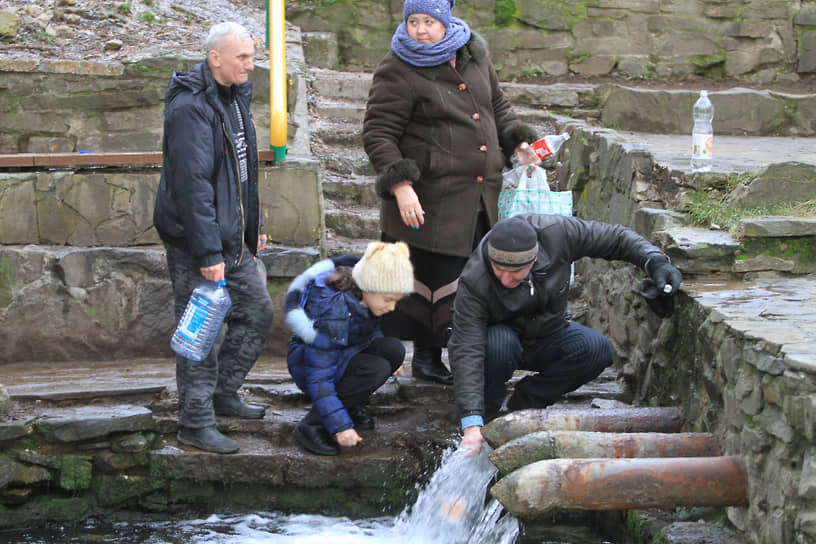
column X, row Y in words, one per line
column 699, row 251
column 88, row 422
column 778, row 227
column 779, row 183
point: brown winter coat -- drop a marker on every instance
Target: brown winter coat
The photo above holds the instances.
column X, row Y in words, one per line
column 448, row 130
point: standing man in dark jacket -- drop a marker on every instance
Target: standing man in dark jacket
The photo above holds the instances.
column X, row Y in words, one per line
column 207, row 213
column 510, row 313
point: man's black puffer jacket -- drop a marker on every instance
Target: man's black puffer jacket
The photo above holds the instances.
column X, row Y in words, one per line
column 537, row 307
column 199, row 201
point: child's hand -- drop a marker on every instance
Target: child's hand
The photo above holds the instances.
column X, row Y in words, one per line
column 348, row 438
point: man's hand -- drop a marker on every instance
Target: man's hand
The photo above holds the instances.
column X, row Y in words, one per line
column 664, row 274
column 348, row 438
column 262, row 239
column 213, row 272
column 473, row 440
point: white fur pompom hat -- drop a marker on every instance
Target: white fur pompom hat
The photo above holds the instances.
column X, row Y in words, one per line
column 385, row 268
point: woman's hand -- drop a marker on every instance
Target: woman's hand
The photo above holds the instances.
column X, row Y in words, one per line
column 348, row 438
column 526, row 154
column 472, row 440
column 410, row 209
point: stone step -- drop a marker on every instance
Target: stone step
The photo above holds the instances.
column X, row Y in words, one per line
column 336, row 84
column 344, row 161
column 349, row 110
column 337, row 245
column 351, row 191
column 338, row 132
column 352, row 221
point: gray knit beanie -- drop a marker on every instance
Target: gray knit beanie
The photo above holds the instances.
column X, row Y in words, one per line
column 512, row 243
column 385, row 268
column 438, row 9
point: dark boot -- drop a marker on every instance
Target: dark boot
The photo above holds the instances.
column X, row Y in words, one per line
column 361, row 418
column 207, row 439
column 234, row 406
column 427, row 365
column 314, row 437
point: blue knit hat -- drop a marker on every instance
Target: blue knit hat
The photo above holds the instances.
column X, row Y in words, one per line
column 438, row 9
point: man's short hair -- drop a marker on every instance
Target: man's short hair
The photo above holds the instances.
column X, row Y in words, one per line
column 219, row 31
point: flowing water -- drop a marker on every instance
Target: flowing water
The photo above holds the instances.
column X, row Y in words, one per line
column 453, row 508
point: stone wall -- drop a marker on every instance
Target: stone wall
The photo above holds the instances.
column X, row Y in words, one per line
column 67, row 106
column 757, row 40
column 737, row 356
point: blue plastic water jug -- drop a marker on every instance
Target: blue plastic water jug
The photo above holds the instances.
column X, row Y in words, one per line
column 201, row 321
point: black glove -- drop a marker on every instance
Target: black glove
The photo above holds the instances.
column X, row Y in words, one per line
column 666, row 277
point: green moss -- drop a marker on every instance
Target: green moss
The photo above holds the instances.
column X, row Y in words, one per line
column 49, row 508
column 504, row 12
column 117, row 489
column 75, row 473
column 707, row 61
column 6, row 282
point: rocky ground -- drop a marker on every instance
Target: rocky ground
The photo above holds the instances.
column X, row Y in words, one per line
column 126, row 30
column 122, row 30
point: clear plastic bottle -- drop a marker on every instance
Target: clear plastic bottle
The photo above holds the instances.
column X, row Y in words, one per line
column 201, row 321
column 702, row 135
column 550, row 144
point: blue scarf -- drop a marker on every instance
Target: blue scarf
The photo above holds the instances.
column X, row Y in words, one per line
column 430, row 54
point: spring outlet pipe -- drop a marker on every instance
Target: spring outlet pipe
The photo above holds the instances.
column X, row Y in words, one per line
column 276, row 41
column 584, row 444
column 613, row 420
column 622, row 484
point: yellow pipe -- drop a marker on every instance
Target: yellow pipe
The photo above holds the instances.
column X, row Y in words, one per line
column 276, row 13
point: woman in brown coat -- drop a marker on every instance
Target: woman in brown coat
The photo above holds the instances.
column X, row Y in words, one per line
column 438, row 131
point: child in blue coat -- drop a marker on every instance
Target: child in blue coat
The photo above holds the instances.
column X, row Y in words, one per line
column 338, row 354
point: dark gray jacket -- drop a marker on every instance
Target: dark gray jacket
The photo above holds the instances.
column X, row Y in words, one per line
column 200, row 201
column 536, row 308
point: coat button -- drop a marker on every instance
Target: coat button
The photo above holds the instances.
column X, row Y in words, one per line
column 462, row 86
column 475, row 116
column 479, row 179
column 483, row 149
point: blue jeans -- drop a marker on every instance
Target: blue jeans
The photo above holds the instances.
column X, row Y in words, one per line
column 563, row 362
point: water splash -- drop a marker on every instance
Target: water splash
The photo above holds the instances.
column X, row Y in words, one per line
column 452, row 507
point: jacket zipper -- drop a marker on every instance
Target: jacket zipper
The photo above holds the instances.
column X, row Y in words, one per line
column 240, row 195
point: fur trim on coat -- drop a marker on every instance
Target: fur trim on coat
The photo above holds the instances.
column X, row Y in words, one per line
column 394, row 174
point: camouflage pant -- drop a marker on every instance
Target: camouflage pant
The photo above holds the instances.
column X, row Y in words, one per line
column 236, row 350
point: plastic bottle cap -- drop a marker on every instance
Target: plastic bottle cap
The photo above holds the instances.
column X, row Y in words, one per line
column 221, row 283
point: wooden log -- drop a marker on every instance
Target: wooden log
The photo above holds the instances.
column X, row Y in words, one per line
column 583, row 444
column 613, row 420
column 622, row 484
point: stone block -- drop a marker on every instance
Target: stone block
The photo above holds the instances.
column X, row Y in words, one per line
column 807, row 54
column 17, row 210
column 290, row 201
column 93, row 422
column 779, row 183
column 807, row 482
column 320, row 49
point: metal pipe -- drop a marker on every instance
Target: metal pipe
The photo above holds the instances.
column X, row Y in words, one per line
column 623, row 484
column 584, row 445
column 613, row 420
column 276, row 38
